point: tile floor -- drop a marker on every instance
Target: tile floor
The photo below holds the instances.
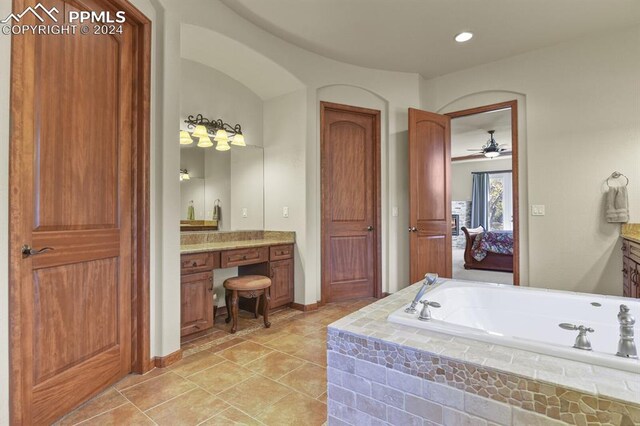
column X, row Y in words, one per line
column 274, row 376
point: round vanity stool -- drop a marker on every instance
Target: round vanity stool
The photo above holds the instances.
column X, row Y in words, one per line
column 248, row 286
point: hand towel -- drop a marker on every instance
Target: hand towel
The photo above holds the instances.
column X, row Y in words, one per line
column 617, row 205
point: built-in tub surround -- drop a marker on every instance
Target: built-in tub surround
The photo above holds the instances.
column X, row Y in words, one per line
column 382, row 371
column 196, row 242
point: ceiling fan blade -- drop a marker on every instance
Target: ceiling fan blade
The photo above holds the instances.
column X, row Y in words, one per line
column 476, row 150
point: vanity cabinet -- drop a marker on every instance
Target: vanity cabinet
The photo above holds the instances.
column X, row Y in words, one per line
column 196, row 283
column 631, row 269
column 196, row 297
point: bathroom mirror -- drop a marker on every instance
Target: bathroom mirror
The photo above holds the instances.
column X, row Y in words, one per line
column 229, row 183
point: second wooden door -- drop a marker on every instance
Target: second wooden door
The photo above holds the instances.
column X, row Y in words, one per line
column 429, row 194
column 350, row 159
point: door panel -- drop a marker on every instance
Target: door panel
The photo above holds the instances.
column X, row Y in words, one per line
column 73, row 99
column 350, row 202
column 429, row 194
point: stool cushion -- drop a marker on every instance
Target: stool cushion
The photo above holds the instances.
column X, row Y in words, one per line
column 247, row 282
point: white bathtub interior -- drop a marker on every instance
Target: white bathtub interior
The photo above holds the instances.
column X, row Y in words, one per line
column 527, row 319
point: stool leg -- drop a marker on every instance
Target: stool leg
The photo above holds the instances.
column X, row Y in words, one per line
column 255, row 314
column 234, row 311
column 227, row 301
column 267, row 302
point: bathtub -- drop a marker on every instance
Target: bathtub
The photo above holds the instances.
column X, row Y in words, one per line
column 526, row 318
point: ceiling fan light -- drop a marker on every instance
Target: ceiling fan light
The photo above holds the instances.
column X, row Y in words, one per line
column 463, row 36
column 492, row 154
column 185, row 138
column 238, row 140
column 200, row 131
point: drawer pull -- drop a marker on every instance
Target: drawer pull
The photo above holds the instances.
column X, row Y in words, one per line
column 194, row 264
column 244, row 257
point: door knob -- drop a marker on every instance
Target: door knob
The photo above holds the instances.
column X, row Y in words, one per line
column 413, row 229
column 28, row 251
column 369, row 228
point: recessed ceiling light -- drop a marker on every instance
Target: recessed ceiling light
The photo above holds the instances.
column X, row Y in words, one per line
column 464, row 36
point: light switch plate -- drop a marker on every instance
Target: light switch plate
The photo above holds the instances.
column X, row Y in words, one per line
column 537, row 210
column 394, row 211
column 285, row 211
column 244, row 212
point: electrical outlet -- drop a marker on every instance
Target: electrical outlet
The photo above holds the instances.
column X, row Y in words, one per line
column 394, row 211
column 537, row 210
column 285, row 211
column 244, row 212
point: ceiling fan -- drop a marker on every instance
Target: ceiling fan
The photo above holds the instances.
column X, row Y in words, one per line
column 491, row 149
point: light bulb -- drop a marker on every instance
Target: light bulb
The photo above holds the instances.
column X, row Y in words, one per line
column 238, row 140
column 185, row 138
column 223, row 145
column 205, row 142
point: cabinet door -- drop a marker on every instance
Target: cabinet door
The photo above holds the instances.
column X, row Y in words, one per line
column 281, row 282
column 626, row 276
column 196, row 294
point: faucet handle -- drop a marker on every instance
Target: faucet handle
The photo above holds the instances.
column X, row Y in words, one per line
column 432, row 304
column 581, row 328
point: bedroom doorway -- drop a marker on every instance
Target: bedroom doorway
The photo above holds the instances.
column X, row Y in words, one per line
column 484, row 193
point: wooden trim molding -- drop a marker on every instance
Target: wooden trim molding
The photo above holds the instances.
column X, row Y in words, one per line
column 167, row 360
column 304, row 308
column 513, row 105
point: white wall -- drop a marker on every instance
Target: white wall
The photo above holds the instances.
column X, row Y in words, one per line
column 247, row 187
column 580, row 122
column 461, row 178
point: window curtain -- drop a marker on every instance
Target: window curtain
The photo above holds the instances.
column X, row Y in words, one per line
column 479, row 201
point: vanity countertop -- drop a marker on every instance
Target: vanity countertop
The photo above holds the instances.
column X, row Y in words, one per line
column 631, row 232
column 198, row 242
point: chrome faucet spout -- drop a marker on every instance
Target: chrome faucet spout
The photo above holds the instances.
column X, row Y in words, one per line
column 429, row 280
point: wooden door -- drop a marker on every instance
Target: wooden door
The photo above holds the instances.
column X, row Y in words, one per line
column 429, row 194
column 196, row 296
column 350, row 162
column 75, row 112
column 281, row 282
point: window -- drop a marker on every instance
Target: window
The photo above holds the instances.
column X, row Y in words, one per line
column 500, row 200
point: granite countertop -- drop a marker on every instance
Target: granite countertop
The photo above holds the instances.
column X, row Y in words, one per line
column 631, row 232
column 371, row 321
column 198, row 242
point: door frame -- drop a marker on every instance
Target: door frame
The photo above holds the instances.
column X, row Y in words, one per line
column 140, row 225
column 377, row 273
column 514, row 171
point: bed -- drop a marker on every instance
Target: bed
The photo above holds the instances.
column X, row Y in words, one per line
column 491, row 251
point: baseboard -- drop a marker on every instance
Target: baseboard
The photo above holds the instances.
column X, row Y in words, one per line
column 304, row 308
column 165, row 361
column 385, row 294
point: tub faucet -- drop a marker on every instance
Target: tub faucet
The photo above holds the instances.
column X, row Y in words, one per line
column 582, row 340
column 626, row 345
column 429, row 280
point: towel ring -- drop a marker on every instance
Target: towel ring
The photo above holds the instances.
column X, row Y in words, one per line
column 617, row 175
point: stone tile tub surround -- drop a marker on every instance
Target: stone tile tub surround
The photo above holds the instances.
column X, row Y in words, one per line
column 198, row 241
column 383, row 373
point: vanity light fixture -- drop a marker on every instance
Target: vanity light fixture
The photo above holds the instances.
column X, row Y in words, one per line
column 463, row 36
column 184, row 175
column 185, row 138
column 223, row 132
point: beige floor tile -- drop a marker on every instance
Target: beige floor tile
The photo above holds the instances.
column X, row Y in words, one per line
column 245, row 352
column 136, row 379
column 275, row 365
column 303, row 327
column 106, row 401
column 190, row 408
column 157, row 390
column 221, row 376
column 295, row 409
column 308, row 379
column 231, row 416
column 126, row 414
column 226, row 344
column 289, row 343
column 265, row 335
column 255, row 394
column 313, row 352
column 196, row 362
column 322, row 398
